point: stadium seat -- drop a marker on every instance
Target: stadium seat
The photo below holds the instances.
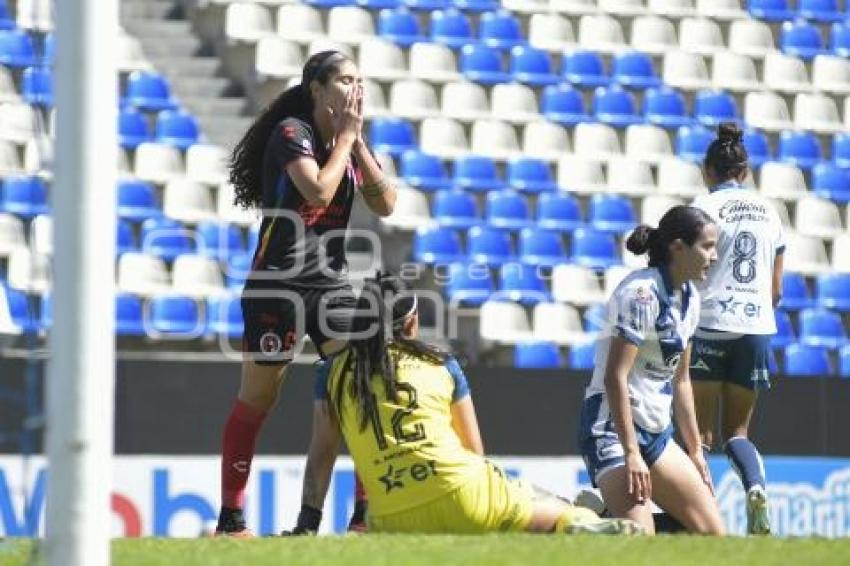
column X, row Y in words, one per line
column 822, row 327
column 672, row 8
column 482, row 64
column 177, row 127
column 831, row 181
column 393, row 136
column 277, row 57
column 530, row 65
column 819, row 10
column 647, row 142
column 37, row 86
column 581, row 174
column 236, row 270
column 166, row 238
column 770, row 10
column 5, row 21
column 477, row 173
column 228, row 211
column 494, row 138
column 653, row 208
column 601, row 32
column 500, row 29
column 844, row 362
column 785, row 335
column 552, row 32
column 541, row 247
column 595, row 318
column 413, row 99
column 399, row 26
column 433, row 62
column 28, row 271
column 149, row 91
column 455, row 208
column 615, row 106
column 16, row 49
column 132, row 128
column 451, row 27
column 594, row 249
column 443, row 137
column 757, row 146
column 10, row 161
column 130, row 54
column 224, row 315
column 219, row 240
column 521, row 284
column 563, row 104
column 433, row 244
column 686, row 71
column 374, row 102
column 841, row 254
column 819, row 217
column 734, row 72
column 41, row 235
column 545, row 140
column 680, row 177
column 751, row 37
column 614, row 275
column 569, row 6
column 711, row 107
column 529, row 175
column 423, row 171
column 207, row 164
column 410, row 211
column 489, row 246
column 504, row 322
column 596, row 141
column 799, row 148
column 786, row 73
column 125, row 238
column 817, row 112
column 611, row 213
column 833, row 291
column 584, row 68
column 380, row 59
column 187, row 201
column 581, row 356
column 476, row 5
column 514, row 102
column 469, row 284
column 701, row 36
column 247, row 22
column 803, row 360
column 176, row 315
column 653, row 34
column 841, row 150
column 137, row 200
column 665, row 107
column 12, row 234
column 8, row 90
column 801, row 39
column 196, row 276
column 766, row 111
column 142, row 274
column 558, row 323
column 831, row 73
column 558, row 211
column 300, row 23
column 634, row 69
column 537, row 355
column 465, row 100
column 507, row 209
column 692, row 142
column 25, row 196
column 806, row 254
column 129, row 320
column 839, row 41
column 21, row 312
column 576, row 285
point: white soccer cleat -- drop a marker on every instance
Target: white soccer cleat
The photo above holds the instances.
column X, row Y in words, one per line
column 758, row 516
column 590, row 500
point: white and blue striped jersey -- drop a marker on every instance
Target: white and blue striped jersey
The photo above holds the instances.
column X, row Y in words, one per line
column 737, row 294
column 645, row 311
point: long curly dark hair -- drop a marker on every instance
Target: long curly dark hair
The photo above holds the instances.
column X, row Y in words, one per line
column 246, row 161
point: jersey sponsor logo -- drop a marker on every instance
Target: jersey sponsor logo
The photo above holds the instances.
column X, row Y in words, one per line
column 419, row 472
column 730, row 306
column 607, row 449
column 738, row 210
column 331, row 216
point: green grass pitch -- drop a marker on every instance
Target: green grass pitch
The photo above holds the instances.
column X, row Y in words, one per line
column 490, row 550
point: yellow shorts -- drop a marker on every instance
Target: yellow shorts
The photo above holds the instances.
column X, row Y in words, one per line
column 492, row 502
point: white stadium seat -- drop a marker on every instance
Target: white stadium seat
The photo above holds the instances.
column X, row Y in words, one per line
column 581, row 174
column 573, row 7
column 817, row 112
column 630, row 176
column 614, row 275
column 196, row 276
column 672, row 8
column 514, row 102
column 559, row 323
column 767, row 111
column 39, row 157
column 596, row 140
column 41, row 235
column 805, row 254
column 8, row 90
column 278, row 57
column 231, row 213
column 526, row 6
column 374, row 102
column 350, row 24
column 413, row 99
column 623, row 8
column 818, row 217
column 158, row 162
column 576, row 285
column 700, row 35
column 411, row 210
column 653, row 207
column 443, row 137
column 324, row 43
column 36, row 15
column 648, row 143
column 28, row 271
column 494, row 138
column 684, row 70
column 19, row 122
column 782, row 210
column 653, row 34
column 504, row 322
column 433, row 62
column 782, row 181
column 300, row 22
column 600, row 32
column 786, row 73
column 12, row 234
column 187, row 201
column 142, row 274
column 551, row 31
column 130, row 55
column 721, row 9
column 206, row 163
column 123, row 162
column 751, row 37
column 841, row 253
column 247, row 22
column 545, row 140
column 464, row 100
column 10, row 161
column 735, row 72
column 831, row 73
column 382, row 60
column 679, row 177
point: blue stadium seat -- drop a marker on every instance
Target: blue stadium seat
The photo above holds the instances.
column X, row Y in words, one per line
column 692, row 142
column 137, row 200
column 563, row 104
column 839, row 39
column 128, row 315
column 24, row 195
column 21, row 311
column 615, row 106
column 507, row 209
column 771, row 10
column 530, row 175
column 224, row 315
column 476, row 173
column 330, row 3
column 433, row 244
column 476, row 5
column 177, row 127
column 399, row 26
column 841, row 148
column 132, row 128
column 219, row 240
column 801, row 39
column 16, row 49
column 595, row 318
column 757, row 146
column 558, row 211
column 423, row 171
column 833, row 291
column 49, row 49
column 785, row 334
column 482, row 64
column 714, row 106
column 379, row 4
column 541, row 247
column 166, row 238
column 149, row 91
column 469, row 283
column 537, row 355
column 451, row 27
column 844, row 361
column 455, row 208
column 831, row 181
column 634, row 69
column 611, row 213
column 253, row 238
column 665, row 107
column 799, row 148
column 500, row 29
column 175, row 314
column 236, row 270
column 531, row 66
column 45, row 320
column 37, row 86
column 125, row 240
column 821, row 327
column 521, row 284
column 807, row 361
column 581, row 356
column 392, row 135
column 489, row 246
column 795, row 292
column 5, row 21
column 595, row 249
column 819, row 10
column 584, row 68
column 427, row 4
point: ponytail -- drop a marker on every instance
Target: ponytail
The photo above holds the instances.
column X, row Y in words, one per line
column 679, row 223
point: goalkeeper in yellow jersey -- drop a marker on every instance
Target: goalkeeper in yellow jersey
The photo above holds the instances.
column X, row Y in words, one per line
column 406, row 414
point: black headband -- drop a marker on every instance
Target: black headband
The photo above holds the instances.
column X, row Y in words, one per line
column 331, row 58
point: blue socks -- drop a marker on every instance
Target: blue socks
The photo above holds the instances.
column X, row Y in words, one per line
column 746, row 461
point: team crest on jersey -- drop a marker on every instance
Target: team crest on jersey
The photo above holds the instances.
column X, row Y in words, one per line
column 289, row 131
column 270, row 343
column 642, row 295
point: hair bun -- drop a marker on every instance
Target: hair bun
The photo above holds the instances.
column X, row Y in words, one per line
column 641, row 239
column 729, row 132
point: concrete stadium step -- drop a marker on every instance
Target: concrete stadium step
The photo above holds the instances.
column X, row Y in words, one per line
column 154, row 9
column 187, row 66
column 200, row 86
column 224, row 131
column 204, row 106
column 159, row 29
column 178, row 47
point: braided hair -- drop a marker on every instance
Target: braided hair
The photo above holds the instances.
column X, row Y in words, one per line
column 679, row 223
column 726, row 155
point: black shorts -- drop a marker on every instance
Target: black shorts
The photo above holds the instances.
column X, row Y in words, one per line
column 741, row 359
column 277, row 317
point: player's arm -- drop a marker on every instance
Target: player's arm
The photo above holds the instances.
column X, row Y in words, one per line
column 319, row 185
column 377, row 190
column 778, row 266
column 686, row 416
column 465, row 424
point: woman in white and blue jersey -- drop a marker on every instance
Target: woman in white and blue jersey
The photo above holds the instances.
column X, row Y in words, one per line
column 732, row 345
column 641, row 382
